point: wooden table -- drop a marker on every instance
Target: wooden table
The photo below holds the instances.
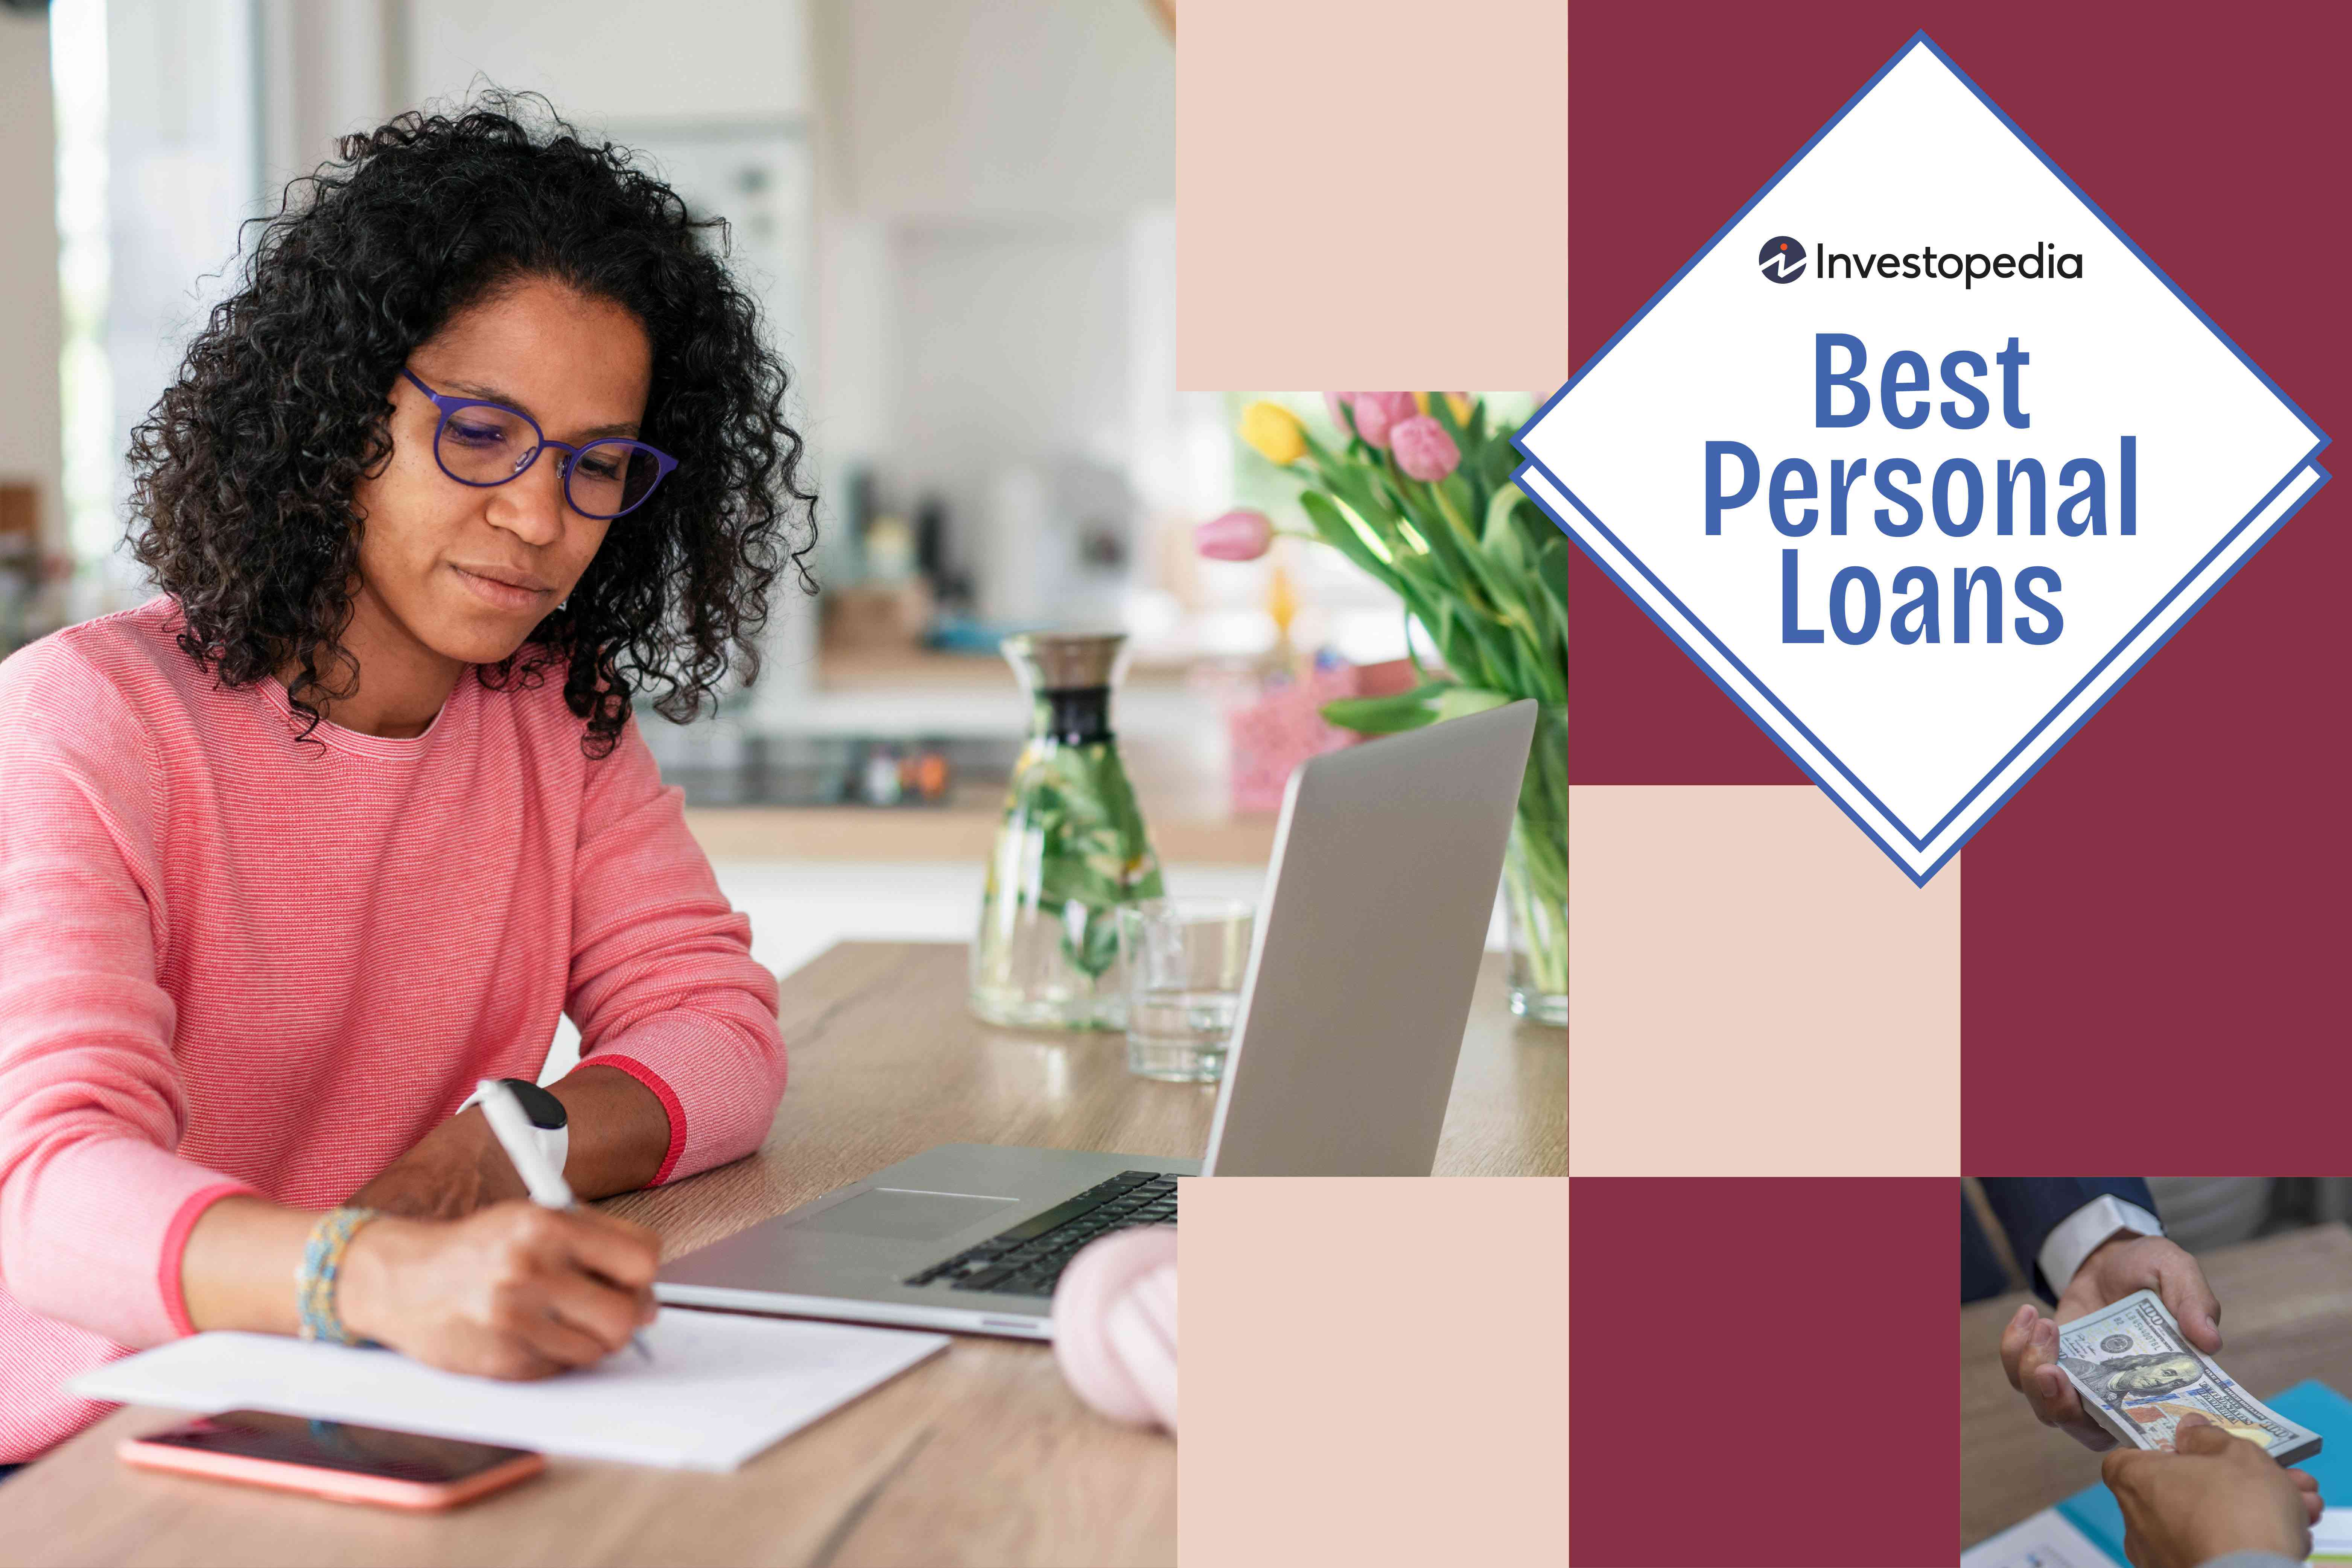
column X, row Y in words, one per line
column 979, row 1455
column 2286, row 1314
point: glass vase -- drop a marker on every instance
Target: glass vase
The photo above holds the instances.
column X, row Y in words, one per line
column 1071, row 851
column 1535, row 879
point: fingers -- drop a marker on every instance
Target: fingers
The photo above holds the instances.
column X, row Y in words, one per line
column 2029, row 1355
column 2014, row 1340
column 2122, row 1466
column 565, row 1289
column 562, row 1341
column 2047, row 1390
column 2053, row 1397
column 2182, row 1284
column 2198, row 1435
column 598, row 1312
column 2037, row 1376
column 2306, row 1490
column 510, row 1358
column 626, row 1254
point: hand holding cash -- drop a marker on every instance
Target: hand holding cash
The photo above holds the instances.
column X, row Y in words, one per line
column 2138, row 1377
column 2029, row 1346
column 2212, row 1496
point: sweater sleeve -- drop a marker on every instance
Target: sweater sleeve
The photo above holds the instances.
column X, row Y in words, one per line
column 95, row 1207
column 662, row 983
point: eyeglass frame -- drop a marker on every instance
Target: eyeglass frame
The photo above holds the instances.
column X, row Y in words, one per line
column 663, row 464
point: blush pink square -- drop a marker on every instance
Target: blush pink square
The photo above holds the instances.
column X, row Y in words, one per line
column 1752, row 986
column 1431, row 1429
column 1371, row 193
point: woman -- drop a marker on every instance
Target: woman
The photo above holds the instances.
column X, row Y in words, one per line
column 485, row 445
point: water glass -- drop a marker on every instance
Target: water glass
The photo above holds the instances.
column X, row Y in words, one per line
column 1185, row 959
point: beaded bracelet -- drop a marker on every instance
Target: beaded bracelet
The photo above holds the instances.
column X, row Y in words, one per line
column 323, row 1261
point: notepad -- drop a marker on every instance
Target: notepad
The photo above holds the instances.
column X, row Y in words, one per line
column 720, row 1388
column 2044, row 1540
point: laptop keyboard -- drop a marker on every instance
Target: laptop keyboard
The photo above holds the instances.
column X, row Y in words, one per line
column 1027, row 1259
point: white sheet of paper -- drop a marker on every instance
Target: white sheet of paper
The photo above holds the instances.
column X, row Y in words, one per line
column 2047, row 1540
column 2331, row 1537
column 720, row 1388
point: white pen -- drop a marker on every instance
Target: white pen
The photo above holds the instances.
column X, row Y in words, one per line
column 511, row 1125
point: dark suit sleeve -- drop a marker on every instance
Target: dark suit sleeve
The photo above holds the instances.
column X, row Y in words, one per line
column 2031, row 1207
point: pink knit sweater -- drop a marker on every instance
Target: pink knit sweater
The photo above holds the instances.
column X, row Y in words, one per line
column 231, row 961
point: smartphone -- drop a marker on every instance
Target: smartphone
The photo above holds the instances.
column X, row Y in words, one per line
column 332, row 1460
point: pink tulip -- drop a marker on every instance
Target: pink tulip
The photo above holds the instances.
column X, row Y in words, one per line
column 1237, row 536
column 1337, row 402
column 1377, row 414
column 1424, row 450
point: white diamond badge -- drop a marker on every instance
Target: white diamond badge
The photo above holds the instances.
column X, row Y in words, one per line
column 1920, row 457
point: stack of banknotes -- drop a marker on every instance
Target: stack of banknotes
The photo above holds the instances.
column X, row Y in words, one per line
column 2138, row 1377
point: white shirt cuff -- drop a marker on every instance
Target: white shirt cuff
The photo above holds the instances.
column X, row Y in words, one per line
column 2080, row 1233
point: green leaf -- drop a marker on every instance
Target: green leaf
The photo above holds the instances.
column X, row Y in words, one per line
column 1498, row 457
column 1536, row 527
column 1355, row 485
column 1445, row 545
column 1473, row 482
column 1467, row 636
column 1093, row 852
column 1500, row 536
column 1502, row 542
column 1551, row 573
column 1341, row 536
column 1390, row 714
column 1461, row 702
column 1500, row 585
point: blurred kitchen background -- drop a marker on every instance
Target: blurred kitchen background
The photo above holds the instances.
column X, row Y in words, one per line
column 960, row 214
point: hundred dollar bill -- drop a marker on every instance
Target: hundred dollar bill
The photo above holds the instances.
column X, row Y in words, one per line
column 2138, row 1376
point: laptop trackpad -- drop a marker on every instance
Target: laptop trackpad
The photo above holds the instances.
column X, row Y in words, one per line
column 894, row 1216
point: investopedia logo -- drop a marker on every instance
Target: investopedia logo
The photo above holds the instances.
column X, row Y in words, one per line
column 1783, row 260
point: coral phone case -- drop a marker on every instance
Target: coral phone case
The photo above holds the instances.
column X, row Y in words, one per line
column 328, row 1480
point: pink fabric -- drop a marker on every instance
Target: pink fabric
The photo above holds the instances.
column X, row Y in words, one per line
column 1282, row 728
column 1115, row 1326
column 230, row 960
column 676, row 1112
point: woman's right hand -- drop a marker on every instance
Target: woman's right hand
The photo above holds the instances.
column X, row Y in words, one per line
column 513, row 1290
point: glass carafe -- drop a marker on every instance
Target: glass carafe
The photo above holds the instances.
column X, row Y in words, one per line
column 1071, row 851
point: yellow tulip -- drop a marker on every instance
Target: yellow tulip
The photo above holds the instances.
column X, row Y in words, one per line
column 1420, row 401
column 1460, row 404
column 1276, row 432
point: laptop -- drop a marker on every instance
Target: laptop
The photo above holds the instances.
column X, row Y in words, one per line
column 1349, row 1023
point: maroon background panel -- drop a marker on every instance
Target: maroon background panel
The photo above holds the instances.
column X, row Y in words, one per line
column 2167, row 885
column 1746, row 1306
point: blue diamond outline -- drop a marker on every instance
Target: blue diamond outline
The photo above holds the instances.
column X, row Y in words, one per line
column 1921, row 40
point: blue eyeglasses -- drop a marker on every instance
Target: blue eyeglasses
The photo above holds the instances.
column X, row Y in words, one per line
column 481, row 443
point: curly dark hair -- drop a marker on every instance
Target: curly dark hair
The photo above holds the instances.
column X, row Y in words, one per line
column 243, row 473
